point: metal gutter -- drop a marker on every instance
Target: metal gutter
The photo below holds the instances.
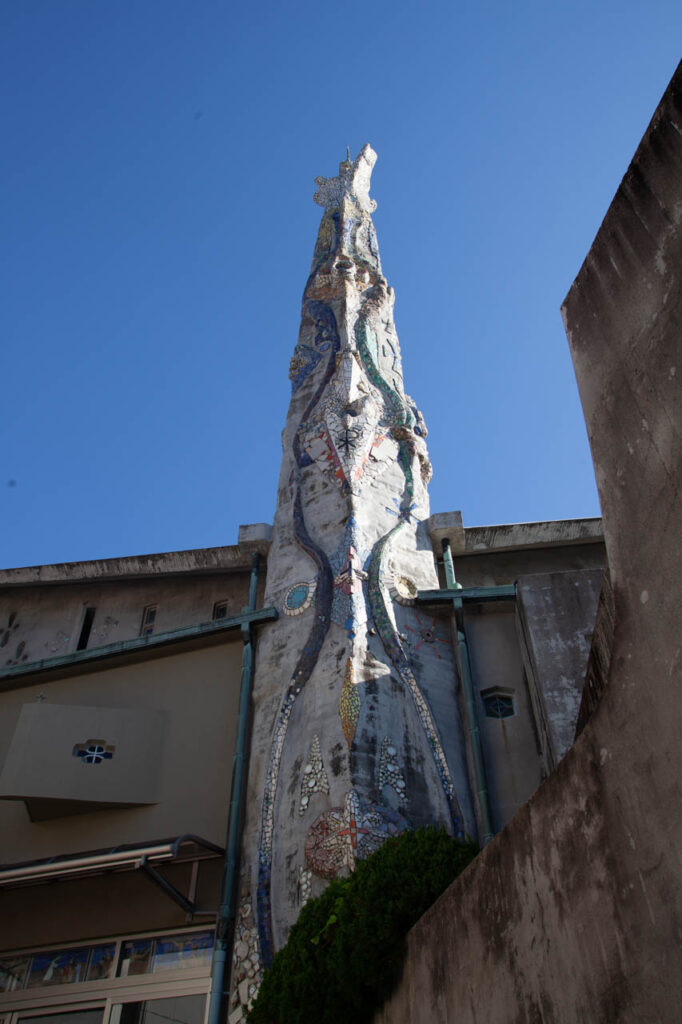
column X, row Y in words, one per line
column 141, row 644
column 220, row 976
column 118, row 858
column 455, row 595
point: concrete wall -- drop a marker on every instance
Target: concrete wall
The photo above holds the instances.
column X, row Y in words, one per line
column 39, row 622
column 512, row 760
column 196, row 692
column 573, row 913
column 495, row 568
column 556, row 614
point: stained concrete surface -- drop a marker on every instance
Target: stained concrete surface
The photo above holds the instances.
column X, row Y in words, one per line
column 556, row 614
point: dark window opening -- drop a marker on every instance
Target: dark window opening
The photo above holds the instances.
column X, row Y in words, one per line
column 220, row 610
column 86, row 629
column 148, row 619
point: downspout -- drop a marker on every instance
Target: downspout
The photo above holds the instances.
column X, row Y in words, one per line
column 474, row 735
column 220, row 975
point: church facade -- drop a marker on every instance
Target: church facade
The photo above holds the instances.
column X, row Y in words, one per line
column 193, row 743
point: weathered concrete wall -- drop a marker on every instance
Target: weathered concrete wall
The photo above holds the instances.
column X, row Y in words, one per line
column 493, row 568
column 573, row 912
column 599, row 661
column 512, row 763
column 197, row 694
column 38, row 622
column 556, row 614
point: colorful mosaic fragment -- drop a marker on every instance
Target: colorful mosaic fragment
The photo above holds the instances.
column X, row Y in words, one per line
column 298, row 598
column 305, row 885
column 320, row 448
column 247, row 968
column 343, row 835
column 314, row 777
column 389, row 770
column 427, row 633
column 303, row 362
column 404, row 590
column 394, row 648
column 349, row 703
column 348, row 606
column 324, row 590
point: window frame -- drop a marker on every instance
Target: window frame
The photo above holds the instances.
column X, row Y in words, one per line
column 147, row 627
column 109, row 991
column 220, row 604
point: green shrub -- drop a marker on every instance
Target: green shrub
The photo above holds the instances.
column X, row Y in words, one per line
column 345, row 953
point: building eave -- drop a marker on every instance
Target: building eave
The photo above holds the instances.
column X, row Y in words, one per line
column 194, row 562
column 475, row 540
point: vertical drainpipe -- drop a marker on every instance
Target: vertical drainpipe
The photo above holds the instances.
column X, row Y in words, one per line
column 464, row 666
column 220, row 975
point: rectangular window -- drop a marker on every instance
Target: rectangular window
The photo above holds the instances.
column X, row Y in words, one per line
column 185, row 1009
column 165, row 953
column 220, row 610
column 155, row 954
column 148, row 620
column 73, row 1016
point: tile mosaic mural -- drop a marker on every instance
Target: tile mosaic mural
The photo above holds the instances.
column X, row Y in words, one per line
column 347, row 551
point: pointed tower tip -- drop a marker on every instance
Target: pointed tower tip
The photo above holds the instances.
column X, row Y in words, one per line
column 352, row 181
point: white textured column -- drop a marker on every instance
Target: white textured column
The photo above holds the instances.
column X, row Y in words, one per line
column 356, row 728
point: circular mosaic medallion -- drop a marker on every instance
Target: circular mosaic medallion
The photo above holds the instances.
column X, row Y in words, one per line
column 298, row 598
column 404, row 590
column 345, row 834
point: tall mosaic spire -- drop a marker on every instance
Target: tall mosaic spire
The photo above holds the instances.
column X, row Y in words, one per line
column 356, row 728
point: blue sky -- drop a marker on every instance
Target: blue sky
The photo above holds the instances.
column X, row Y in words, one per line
column 158, row 227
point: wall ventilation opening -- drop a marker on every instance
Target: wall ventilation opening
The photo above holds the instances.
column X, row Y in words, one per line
column 498, row 703
column 94, row 751
column 86, row 629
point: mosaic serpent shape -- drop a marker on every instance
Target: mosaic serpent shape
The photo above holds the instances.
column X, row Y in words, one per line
column 325, row 319
column 387, row 632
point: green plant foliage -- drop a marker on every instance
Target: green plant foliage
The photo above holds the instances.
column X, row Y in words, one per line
column 345, row 953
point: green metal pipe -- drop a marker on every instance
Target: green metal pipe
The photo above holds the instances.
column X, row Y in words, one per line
column 476, row 595
column 220, row 974
column 464, row 665
column 482, row 796
column 449, row 567
column 139, row 644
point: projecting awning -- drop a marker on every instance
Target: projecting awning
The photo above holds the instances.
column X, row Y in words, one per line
column 131, row 857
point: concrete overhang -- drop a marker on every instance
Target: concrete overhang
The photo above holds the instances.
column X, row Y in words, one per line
column 473, row 540
column 129, row 857
column 197, row 562
column 143, row 857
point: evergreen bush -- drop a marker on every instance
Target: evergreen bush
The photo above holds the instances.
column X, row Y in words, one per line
column 345, row 953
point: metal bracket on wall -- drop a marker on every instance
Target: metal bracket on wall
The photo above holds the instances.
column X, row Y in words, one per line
column 168, row 888
column 481, row 595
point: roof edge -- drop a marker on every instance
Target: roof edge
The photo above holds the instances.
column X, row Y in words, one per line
column 197, row 561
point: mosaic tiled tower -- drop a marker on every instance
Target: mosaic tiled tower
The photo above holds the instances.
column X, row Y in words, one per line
column 356, row 727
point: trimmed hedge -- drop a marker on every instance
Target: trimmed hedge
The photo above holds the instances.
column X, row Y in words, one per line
column 345, row 953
